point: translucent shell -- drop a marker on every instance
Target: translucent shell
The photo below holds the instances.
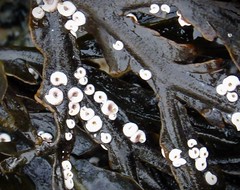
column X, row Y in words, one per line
column 129, row 129
column 94, row 124
column 89, row 89
column 232, row 96
column 112, row 116
column 236, row 120
column 54, row 96
column 38, row 13
column 50, row 6
column 80, row 73
column 69, row 183
column 118, row 45
column 74, row 108
column 179, row 162
column 70, row 123
column 210, row 178
column 181, row 20
column 174, row 154
column 106, row 138
column 221, row 89
column 191, row 143
column 75, row 95
column 4, row 137
column 100, row 97
column 66, row 165
column 231, row 82
column 66, row 8
column 154, row 8
column 83, row 81
column 45, row 136
column 79, row 18
column 193, row 153
column 165, row 8
column 57, row 78
column 68, row 136
column 86, row 113
column 71, row 25
column 203, row 152
column 139, row 136
column 145, row 74
column 200, row 164
column 109, row 107
column 67, row 174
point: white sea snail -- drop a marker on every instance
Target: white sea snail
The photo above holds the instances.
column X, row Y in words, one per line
column 66, row 8
column 4, row 137
column 38, row 13
column 54, row 96
column 57, row 78
column 50, row 5
column 75, row 95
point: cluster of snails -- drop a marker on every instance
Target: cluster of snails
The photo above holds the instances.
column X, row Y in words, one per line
column 199, row 155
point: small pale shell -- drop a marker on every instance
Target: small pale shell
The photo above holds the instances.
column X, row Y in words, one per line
column 118, row 45
column 68, row 136
column 179, row 162
column 57, row 78
column 163, row 153
column 191, row 143
column 66, row 8
column 67, row 174
column 46, row 137
column 154, row 8
column 165, row 8
column 236, row 120
column 33, row 73
column 133, row 17
column 83, row 81
column 109, row 107
column 95, row 124
column 100, row 97
column 89, row 89
column 71, row 25
column 75, row 95
column 4, row 137
column 86, row 113
column 69, row 183
column 232, row 96
column 70, row 123
column 79, row 18
column 129, row 129
column 80, row 73
column 38, row 13
column 203, row 152
column 112, row 116
column 106, row 137
column 54, row 97
column 139, row 136
column 210, row 178
column 221, row 89
column 145, row 74
column 182, row 21
column 74, row 108
column 174, row 154
column 40, row 133
column 200, row 164
column 231, row 82
column 50, row 6
column 193, row 153
column 66, row 165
